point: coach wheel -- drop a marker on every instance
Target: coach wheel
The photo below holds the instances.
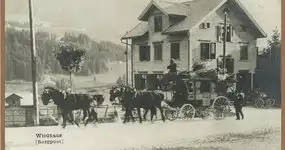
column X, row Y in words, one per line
column 171, row 114
column 267, row 103
column 187, row 111
column 220, row 106
column 272, row 102
column 259, row 103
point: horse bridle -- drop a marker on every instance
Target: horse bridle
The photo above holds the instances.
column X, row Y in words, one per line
column 48, row 91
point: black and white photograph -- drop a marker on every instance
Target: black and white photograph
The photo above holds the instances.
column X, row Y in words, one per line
column 142, row 75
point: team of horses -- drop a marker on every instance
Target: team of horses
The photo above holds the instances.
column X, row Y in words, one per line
column 130, row 99
column 67, row 102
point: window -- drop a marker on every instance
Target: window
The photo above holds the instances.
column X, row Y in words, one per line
column 244, row 52
column 220, row 33
column 208, row 25
column 242, row 28
column 144, row 52
column 175, row 51
column 205, row 86
column 205, row 25
column 157, row 51
column 157, row 23
column 190, row 87
column 208, row 51
column 140, row 81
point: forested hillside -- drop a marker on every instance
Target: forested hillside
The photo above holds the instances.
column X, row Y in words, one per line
column 18, row 55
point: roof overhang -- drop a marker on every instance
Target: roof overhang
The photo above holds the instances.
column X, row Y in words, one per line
column 139, row 30
column 261, row 31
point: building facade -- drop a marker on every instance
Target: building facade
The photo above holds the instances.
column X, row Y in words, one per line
column 193, row 31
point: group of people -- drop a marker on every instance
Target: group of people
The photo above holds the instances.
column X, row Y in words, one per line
column 238, row 98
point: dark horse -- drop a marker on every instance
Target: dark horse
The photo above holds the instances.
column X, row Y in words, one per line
column 148, row 100
column 117, row 92
column 69, row 102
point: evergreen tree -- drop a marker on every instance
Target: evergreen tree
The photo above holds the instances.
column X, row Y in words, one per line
column 70, row 56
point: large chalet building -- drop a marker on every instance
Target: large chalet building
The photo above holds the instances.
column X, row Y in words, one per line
column 190, row 31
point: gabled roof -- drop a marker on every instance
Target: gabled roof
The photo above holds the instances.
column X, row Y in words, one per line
column 250, row 17
column 137, row 31
column 13, row 95
column 195, row 12
column 26, row 98
column 167, row 8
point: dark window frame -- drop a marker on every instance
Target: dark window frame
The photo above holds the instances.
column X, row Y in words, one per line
column 244, row 52
column 146, row 56
column 208, row 25
column 158, row 51
column 212, row 51
column 175, row 50
column 158, row 23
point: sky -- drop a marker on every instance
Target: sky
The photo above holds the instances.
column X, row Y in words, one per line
column 110, row 19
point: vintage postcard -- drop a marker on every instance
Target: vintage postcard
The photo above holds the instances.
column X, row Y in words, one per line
column 142, row 74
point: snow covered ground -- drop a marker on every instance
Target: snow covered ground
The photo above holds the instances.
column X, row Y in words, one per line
column 259, row 131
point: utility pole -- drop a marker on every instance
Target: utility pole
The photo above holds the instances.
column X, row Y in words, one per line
column 127, row 65
column 226, row 11
column 34, row 64
column 132, row 65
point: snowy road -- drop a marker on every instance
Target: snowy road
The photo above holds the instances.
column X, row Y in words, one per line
column 260, row 130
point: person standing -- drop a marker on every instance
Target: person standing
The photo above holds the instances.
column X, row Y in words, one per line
column 238, row 104
column 181, row 91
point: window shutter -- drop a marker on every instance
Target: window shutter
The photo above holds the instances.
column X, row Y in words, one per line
column 213, row 51
column 219, row 33
column 229, row 33
column 148, row 53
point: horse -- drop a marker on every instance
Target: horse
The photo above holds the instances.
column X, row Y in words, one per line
column 141, row 99
column 117, row 92
column 69, row 102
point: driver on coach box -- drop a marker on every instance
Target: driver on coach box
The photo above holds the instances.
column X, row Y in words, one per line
column 172, row 67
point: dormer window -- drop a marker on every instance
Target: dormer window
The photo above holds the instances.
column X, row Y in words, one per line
column 157, row 23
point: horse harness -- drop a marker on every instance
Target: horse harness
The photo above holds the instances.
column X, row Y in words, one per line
column 65, row 93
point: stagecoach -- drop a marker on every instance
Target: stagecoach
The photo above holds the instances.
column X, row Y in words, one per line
column 204, row 100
